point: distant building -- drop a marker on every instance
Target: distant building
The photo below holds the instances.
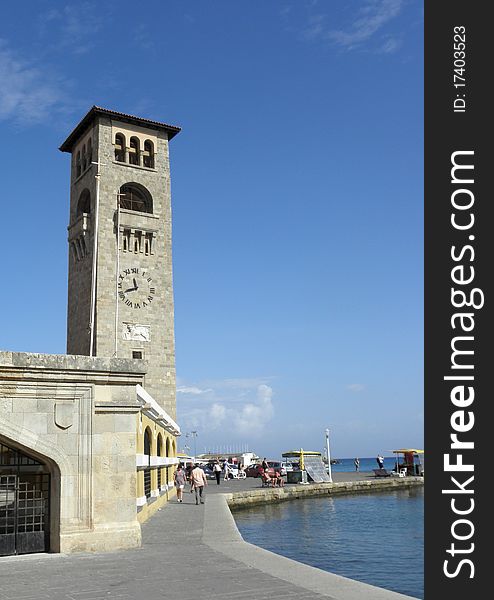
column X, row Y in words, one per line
column 243, row 458
column 88, row 439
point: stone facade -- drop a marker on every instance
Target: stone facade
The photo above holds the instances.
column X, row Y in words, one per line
column 119, row 228
column 82, row 418
column 77, row 415
column 89, row 441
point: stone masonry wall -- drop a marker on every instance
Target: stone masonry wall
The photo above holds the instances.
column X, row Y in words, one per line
column 159, row 351
column 77, row 415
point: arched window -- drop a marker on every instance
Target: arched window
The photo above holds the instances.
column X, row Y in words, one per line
column 159, row 450
column 147, row 470
column 120, row 147
column 134, row 149
column 148, row 154
column 89, row 152
column 167, row 453
column 84, row 203
column 78, row 164
column 134, row 196
column 84, row 160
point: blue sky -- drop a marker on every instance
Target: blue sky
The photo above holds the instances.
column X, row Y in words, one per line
column 297, row 202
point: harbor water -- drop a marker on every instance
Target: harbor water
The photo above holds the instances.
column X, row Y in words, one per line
column 376, row 538
column 366, row 464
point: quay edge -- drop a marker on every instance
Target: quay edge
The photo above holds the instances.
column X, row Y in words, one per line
column 261, row 496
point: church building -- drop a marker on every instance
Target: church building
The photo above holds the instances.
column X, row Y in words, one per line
column 88, row 440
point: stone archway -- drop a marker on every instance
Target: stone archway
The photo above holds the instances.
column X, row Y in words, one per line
column 53, row 462
column 27, row 499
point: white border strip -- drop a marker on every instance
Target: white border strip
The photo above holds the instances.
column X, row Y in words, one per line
column 154, row 411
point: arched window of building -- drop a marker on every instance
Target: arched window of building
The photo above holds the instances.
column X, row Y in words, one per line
column 78, row 164
column 84, row 159
column 120, row 147
column 134, row 150
column 159, row 452
column 167, row 452
column 147, row 469
column 134, row 196
column 84, row 203
column 148, row 154
column 89, row 152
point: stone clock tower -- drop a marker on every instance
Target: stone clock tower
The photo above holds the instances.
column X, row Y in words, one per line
column 120, row 291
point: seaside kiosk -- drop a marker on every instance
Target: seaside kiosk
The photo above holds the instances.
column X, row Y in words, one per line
column 409, row 459
column 307, row 465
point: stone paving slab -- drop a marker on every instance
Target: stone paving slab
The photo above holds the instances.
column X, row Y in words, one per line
column 182, row 544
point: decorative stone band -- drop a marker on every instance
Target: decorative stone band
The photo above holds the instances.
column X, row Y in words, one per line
column 163, row 461
column 143, row 461
column 141, row 501
column 153, row 410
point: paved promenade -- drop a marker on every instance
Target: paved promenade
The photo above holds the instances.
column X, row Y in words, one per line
column 188, row 552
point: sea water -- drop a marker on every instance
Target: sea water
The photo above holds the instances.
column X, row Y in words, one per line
column 377, row 538
column 366, row 464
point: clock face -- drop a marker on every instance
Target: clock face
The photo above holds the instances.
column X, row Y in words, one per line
column 136, row 288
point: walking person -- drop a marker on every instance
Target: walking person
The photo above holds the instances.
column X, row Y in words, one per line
column 217, row 471
column 226, row 468
column 179, row 478
column 198, row 482
column 356, row 462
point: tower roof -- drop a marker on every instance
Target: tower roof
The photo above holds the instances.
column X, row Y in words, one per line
column 95, row 111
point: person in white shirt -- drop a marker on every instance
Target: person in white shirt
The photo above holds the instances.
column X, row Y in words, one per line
column 217, row 471
column 198, row 482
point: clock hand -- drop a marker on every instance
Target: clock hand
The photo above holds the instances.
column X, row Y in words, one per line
column 130, row 290
column 135, row 284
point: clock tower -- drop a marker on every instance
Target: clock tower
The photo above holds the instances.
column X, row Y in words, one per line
column 120, row 289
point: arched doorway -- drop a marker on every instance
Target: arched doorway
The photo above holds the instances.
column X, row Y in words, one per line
column 24, row 503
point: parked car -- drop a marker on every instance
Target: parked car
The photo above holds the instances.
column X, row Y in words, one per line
column 273, row 465
column 232, row 471
column 276, row 465
column 208, row 471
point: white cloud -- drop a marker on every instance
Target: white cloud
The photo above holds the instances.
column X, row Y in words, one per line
column 372, row 17
column 27, row 93
column 195, row 391
column 217, row 414
column 355, row 387
column 315, row 27
column 390, row 45
column 239, row 406
column 365, row 24
column 72, row 26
